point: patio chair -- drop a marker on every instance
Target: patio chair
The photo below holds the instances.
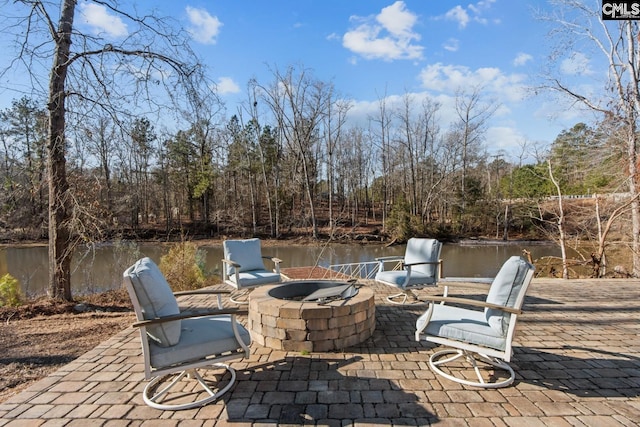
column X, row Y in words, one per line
column 244, row 267
column 420, row 266
column 477, row 338
column 183, row 350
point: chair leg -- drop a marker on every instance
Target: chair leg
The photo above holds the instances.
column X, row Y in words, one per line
column 480, row 364
column 175, row 392
column 242, row 297
column 407, row 297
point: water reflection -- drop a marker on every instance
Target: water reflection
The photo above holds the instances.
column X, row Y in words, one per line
column 100, row 268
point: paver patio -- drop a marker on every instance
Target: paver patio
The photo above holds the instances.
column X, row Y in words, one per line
column 577, row 359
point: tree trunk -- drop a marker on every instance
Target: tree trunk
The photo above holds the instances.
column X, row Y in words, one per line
column 308, row 183
column 60, row 247
column 562, row 239
column 632, row 165
column 505, row 228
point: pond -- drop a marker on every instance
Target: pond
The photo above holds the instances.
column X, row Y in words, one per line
column 99, row 268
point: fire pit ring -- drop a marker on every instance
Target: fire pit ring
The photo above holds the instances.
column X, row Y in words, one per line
column 335, row 315
column 315, row 291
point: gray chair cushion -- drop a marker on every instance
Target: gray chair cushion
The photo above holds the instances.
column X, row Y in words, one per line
column 247, row 253
column 418, row 250
column 421, row 250
column 470, row 326
column 504, row 291
column 156, row 300
column 397, row 278
column 201, row 337
column 253, row 278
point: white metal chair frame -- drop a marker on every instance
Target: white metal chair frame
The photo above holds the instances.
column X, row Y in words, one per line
column 244, row 286
column 477, row 356
column 407, row 290
column 165, row 378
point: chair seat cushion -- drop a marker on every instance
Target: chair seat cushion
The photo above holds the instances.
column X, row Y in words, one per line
column 397, row 278
column 250, row 279
column 200, row 337
column 461, row 324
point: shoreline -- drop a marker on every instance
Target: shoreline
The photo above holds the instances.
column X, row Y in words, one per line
column 301, row 241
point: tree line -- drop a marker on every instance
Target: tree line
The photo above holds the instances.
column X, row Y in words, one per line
column 123, row 135
column 305, row 169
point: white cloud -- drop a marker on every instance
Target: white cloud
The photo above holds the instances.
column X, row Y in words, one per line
column 449, row 78
column 388, row 36
column 576, row 64
column 502, row 135
column 397, row 20
column 452, row 45
column 226, row 85
column 522, row 59
column 102, row 23
column 204, row 28
column 503, row 138
column 459, row 15
column 333, row 36
column 473, row 12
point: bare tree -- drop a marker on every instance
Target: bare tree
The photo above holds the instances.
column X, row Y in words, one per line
column 298, row 101
column 473, row 114
column 408, row 140
column 101, row 141
column 334, row 121
column 263, row 142
column 353, row 163
column 91, row 71
column 599, row 257
column 382, row 136
column 418, row 141
column 560, row 222
column 579, row 27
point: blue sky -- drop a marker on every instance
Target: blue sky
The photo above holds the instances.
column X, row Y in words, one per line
column 373, row 48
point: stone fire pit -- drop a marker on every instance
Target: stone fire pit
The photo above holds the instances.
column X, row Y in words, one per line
column 311, row 315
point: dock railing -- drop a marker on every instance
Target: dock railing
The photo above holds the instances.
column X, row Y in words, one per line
column 357, row 270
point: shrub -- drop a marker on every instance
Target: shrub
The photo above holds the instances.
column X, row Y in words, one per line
column 10, row 293
column 399, row 224
column 183, row 266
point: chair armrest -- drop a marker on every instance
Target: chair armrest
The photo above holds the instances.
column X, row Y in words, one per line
column 384, row 259
column 157, row 320
column 479, row 283
column 202, row 292
column 217, row 292
column 276, row 262
column 475, row 303
column 421, row 263
column 389, row 258
column 272, row 258
column 231, row 263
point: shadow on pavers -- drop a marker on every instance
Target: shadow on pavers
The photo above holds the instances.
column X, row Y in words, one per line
column 311, row 389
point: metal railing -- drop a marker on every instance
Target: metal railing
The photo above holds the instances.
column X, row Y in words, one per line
column 357, row 270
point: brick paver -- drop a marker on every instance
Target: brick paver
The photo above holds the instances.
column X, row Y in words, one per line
column 577, row 357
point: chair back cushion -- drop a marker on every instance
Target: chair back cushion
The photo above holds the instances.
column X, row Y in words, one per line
column 506, row 290
column 247, row 253
column 156, row 299
column 421, row 250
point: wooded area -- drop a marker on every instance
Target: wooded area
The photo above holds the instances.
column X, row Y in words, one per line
column 100, row 155
column 242, row 178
